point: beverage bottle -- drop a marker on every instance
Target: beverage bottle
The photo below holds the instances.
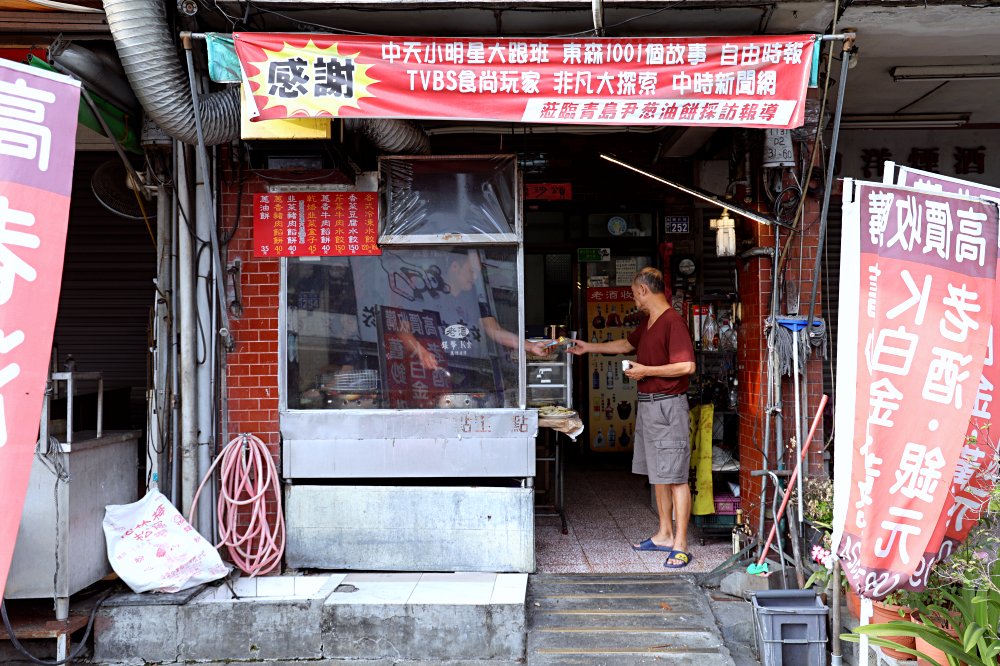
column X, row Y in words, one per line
column 732, row 393
column 599, row 440
column 596, row 379
column 598, row 321
column 613, row 319
column 597, row 406
column 610, row 376
column 625, row 379
column 710, row 332
column 611, row 436
column 608, row 410
column 624, row 438
column 593, row 338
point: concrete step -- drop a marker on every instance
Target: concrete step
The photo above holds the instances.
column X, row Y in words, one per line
column 466, row 618
column 621, row 620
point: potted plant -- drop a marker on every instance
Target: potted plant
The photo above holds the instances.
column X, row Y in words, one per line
column 956, row 616
column 817, row 505
column 894, row 607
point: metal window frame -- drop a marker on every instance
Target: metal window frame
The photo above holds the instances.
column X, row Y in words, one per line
column 471, row 240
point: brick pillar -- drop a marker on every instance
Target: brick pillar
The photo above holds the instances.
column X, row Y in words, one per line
column 756, row 283
column 252, row 368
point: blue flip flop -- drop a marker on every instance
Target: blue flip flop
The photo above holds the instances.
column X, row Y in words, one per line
column 649, row 545
column 685, row 559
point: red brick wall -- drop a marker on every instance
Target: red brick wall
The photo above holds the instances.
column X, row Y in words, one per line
column 252, row 368
column 755, row 280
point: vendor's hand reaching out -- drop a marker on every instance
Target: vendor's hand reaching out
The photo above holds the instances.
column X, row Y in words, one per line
column 535, row 348
column 579, row 348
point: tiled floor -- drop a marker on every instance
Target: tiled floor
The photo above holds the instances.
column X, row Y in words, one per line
column 608, row 509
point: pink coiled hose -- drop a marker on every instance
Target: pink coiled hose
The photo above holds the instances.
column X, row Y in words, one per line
column 248, row 486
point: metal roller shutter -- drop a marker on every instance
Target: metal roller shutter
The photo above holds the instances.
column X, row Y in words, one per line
column 107, row 290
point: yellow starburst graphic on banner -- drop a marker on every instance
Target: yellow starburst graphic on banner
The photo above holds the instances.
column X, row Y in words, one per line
column 311, row 81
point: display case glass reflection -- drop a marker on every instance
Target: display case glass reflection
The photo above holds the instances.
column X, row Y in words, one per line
column 413, row 328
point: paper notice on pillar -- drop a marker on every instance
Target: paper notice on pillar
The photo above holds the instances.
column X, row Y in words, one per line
column 977, row 465
column 922, row 266
column 38, row 113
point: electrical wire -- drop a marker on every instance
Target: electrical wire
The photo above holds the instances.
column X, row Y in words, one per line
column 72, row 655
column 248, row 483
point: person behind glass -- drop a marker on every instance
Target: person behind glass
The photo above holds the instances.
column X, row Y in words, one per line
column 664, row 362
column 460, row 274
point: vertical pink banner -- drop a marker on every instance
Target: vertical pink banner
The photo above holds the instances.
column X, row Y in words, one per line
column 977, row 466
column 38, row 115
column 924, row 283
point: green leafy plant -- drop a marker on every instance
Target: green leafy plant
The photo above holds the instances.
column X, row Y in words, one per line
column 958, row 612
column 817, row 501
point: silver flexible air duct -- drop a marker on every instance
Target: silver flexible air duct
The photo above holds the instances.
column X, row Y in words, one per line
column 392, row 136
column 149, row 56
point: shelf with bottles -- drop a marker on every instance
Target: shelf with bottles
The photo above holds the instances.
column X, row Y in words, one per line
column 600, row 327
column 712, row 326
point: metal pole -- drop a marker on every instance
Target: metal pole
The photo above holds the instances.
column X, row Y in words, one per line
column 798, row 423
column 204, row 314
column 175, row 328
column 220, row 290
column 835, row 656
column 188, row 347
column 831, row 161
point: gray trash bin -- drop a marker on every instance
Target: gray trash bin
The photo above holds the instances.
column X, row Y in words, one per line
column 790, row 627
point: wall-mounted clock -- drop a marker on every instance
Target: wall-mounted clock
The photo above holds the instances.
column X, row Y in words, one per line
column 617, row 225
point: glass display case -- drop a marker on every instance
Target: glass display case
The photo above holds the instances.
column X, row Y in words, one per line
column 414, row 328
column 402, row 373
column 550, row 380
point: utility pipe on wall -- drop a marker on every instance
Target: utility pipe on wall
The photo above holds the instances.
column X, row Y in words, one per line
column 187, row 327
column 175, row 318
column 159, row 433
column 205, row 343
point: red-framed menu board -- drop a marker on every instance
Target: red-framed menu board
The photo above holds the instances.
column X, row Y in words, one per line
column 315, row 224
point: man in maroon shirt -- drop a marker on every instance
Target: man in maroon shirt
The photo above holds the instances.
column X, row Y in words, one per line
column 664, row 362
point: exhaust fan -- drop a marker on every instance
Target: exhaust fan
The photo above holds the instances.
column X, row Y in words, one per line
column 117, row 189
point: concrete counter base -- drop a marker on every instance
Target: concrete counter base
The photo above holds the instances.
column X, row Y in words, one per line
column 368, row 618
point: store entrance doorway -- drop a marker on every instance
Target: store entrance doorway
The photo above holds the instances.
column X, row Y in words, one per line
column 580, row 286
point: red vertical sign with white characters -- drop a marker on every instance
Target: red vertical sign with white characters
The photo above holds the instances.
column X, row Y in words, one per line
column 977, row 467
column 38, row 112
column 316, row 224
column 922, row 266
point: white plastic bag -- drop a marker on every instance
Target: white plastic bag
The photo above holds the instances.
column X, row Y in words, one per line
column 152, row 547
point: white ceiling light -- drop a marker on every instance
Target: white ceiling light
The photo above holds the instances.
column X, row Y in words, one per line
column 904, row 120
column 725, row 234
column 945, row 72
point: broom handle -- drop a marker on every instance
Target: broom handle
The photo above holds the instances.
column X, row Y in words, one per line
column 791, row 481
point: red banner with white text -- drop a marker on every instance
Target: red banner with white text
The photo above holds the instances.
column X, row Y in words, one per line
column 38, row 112
column 756, row 81
column 921, row 266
